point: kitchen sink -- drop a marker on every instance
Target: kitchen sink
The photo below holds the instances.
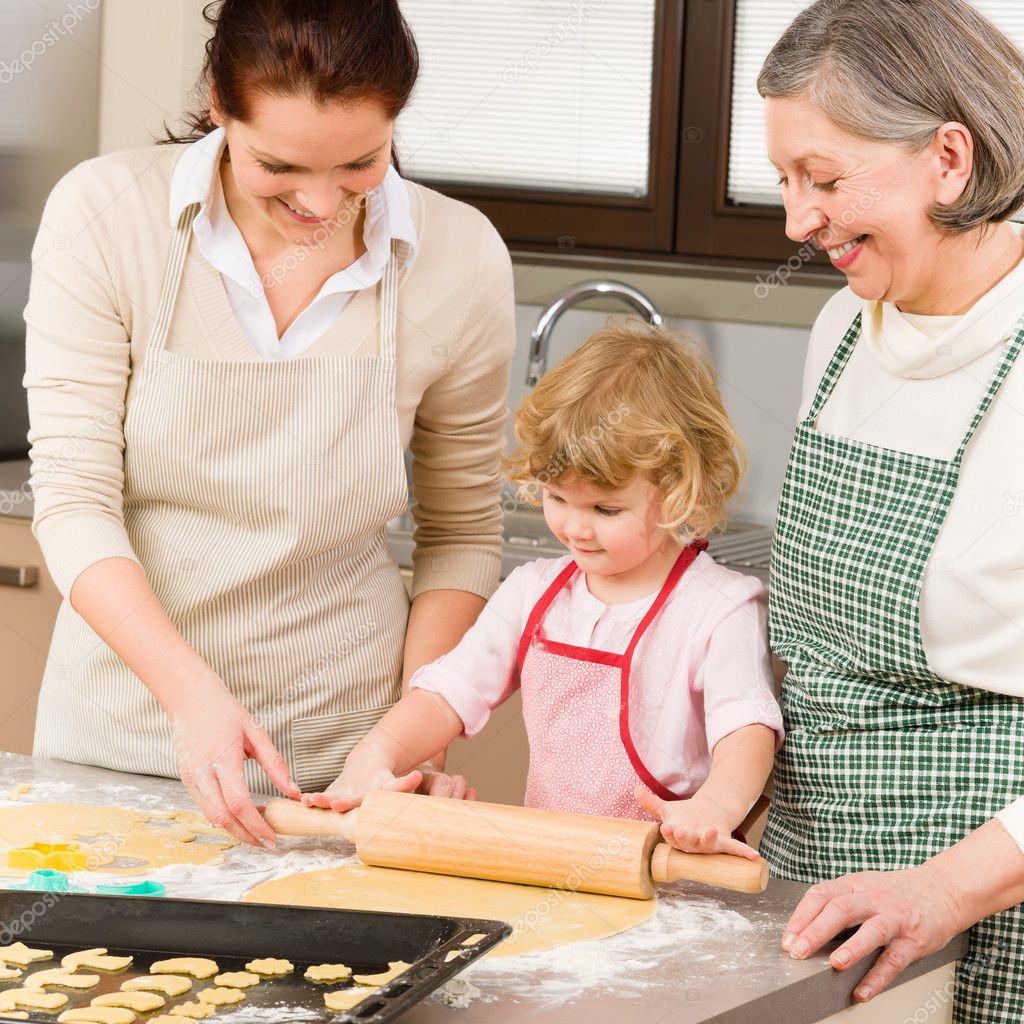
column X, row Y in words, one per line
column 743, row 546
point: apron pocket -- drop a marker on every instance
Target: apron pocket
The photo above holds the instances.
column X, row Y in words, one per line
column 321, row 744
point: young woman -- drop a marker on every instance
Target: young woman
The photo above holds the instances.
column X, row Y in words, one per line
column 231, row 342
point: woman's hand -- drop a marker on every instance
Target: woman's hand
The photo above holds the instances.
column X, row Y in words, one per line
column 213, row 736
column 697, row 825
column 908, row 914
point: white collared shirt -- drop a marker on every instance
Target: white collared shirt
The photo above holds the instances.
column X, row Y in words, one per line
column 196, row 180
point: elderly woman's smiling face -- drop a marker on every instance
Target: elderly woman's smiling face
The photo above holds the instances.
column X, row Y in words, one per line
column 866, row 201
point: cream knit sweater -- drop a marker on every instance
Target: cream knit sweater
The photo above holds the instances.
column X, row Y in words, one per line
column 98, row 263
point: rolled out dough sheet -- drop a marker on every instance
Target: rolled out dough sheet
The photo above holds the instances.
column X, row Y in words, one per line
column 108, row 833
column 540, row 918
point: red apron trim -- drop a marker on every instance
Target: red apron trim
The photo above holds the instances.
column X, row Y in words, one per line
column 621, row 661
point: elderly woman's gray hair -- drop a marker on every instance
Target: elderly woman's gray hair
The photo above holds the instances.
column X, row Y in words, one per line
column 895, row 70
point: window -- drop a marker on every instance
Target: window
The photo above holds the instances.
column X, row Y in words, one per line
column 558, row 118
column 609, row 127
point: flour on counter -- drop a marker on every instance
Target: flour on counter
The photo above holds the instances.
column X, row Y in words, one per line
column 621, row 962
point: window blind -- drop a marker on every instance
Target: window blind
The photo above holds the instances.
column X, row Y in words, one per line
column 549, row 94
column 752, row 179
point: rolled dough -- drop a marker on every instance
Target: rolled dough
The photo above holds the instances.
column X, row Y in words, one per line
column 541, row 918
column 108, row 833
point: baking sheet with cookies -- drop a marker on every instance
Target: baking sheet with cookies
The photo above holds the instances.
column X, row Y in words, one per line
column 245, row 963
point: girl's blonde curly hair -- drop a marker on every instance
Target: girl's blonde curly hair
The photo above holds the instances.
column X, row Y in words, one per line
column 633, row 399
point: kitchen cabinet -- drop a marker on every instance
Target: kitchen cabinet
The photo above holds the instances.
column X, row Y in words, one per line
column 28, row 607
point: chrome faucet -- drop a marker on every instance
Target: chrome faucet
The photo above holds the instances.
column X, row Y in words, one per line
column 571, row 297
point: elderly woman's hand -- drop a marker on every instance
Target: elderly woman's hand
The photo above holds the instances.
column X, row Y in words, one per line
column 908, row 914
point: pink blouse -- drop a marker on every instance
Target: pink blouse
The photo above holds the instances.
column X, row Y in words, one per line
column 702, row 670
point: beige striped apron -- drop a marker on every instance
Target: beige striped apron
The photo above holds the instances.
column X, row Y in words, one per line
column 256, row 497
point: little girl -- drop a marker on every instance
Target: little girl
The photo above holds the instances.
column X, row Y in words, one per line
column 644, row 666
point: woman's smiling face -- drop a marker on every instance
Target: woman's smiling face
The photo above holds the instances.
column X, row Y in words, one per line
column 866, row 201
column 293, row 155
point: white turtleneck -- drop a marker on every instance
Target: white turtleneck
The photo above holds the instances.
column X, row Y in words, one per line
column 912, row 383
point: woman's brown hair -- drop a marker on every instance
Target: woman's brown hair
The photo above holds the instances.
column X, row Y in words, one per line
column 330, row 50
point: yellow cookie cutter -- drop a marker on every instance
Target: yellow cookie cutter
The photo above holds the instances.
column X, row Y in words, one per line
column 58, row 856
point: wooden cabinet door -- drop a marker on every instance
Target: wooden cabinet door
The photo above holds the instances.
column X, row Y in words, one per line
column 27, row 613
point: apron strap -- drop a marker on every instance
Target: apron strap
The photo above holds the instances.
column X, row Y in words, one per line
column 683, row 562
column 388, row 304
column 533, row 622
column 834, row 370
column 172, row 278
column 1001, row 372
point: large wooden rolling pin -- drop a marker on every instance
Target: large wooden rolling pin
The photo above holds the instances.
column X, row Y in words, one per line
column 502, row 843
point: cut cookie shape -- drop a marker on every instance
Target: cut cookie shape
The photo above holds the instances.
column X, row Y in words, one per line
column 196, row 1011
column 237, row 979
column 9, row 973
column 220, row 996
column 197, row 966
column 395, row 968
column 346, row 998
column 163, row 1018
column 270, row 965
column 61, row 977
column 168, row 984
column 97, row 1015
column 16, row 1014
column 327, row 973
column 95, row 960
column 31, row 999
column 23, row 955
column 140, row 1002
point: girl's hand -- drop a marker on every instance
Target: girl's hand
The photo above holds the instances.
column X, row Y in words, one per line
column 696, row 825
column 909, row 914
column 213, row 736
column 350, row 788
column 352, row 785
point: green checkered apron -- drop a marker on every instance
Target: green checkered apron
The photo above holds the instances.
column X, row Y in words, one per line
column 885, row 763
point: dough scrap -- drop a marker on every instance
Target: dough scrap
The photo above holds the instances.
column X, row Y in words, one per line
column 9, row 973
column 163, row 1018
column 62, row 977
column 31, row 999
column 23, row 955
column 140, row 1002
column 452, row 954
column 95, row 960
column 19, row 791
column 168, row 984
column 106, row 833
column 346, row 998
column 328, row 973
column 97, row 1015
column 237, row 979
column 196, row 1011
column 197, row 966
column 220, row 996
column 395, row 968
column 542, row 918
column 270, row 966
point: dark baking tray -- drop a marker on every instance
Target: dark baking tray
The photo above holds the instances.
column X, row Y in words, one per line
column 232, row 933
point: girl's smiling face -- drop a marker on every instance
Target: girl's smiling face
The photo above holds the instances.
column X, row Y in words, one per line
column 867, row 201
column 293, row 155
column 608, row 533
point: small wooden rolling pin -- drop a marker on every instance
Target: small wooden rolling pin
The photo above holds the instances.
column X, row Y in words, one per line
column 502, row 843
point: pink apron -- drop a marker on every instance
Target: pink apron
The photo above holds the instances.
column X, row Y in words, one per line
column 576, row 709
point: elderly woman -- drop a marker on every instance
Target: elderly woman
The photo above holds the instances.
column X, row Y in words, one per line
column 897, row 127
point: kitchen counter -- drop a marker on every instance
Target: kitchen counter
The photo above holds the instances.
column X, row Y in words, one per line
column 15, row 495
column 706, row 957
